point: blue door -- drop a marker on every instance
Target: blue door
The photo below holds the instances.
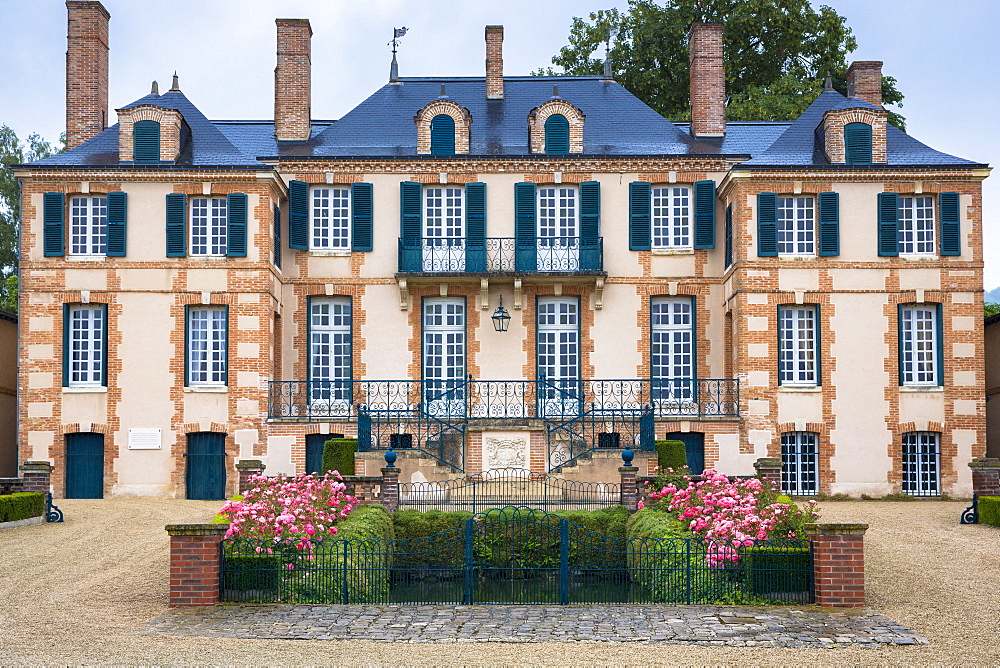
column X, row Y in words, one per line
column 694, row 447
column 85, row 466
column 314, row 451
column 206, row 466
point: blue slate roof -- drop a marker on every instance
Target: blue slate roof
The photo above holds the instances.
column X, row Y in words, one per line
column 617, row 123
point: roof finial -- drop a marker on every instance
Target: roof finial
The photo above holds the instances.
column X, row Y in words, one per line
column 828, row 84
column 394, row 67
column 155, row 90
column 444, row 91
column 176, row 86
column 612, row 32
column 555, row 91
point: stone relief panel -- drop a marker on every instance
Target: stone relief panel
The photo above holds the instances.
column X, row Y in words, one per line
column 506, row 452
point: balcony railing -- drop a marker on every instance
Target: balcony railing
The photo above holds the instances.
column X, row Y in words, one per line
column 497, row 256
column 453, row 400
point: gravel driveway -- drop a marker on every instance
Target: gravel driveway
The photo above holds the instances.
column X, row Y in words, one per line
column 77, row 592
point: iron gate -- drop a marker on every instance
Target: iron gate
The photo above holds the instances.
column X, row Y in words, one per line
column 517, row 556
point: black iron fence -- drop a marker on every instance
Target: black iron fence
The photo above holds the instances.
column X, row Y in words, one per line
column 517, row 555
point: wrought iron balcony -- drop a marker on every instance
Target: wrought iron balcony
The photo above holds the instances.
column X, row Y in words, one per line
column 501, row 256
column 459, row 400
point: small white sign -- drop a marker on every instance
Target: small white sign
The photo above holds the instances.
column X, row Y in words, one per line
column 144, row 439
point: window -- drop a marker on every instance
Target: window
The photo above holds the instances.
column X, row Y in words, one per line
column 799, row 463
column 330, row 213
column 444, row 228
column 921, row 463
column 85, row 339
column 330, row 349
column 556, row 135
column 798, row 345
column 442, row 135
column 444, row 355
column 207, row 345
column 796, row 226
column 920, row 344
column 88, row 225
column 671, row 348
column 729, row 237
column 209, row 226
column 916, row 226
column 671, row 217
column 558, row 229
column 558, row 355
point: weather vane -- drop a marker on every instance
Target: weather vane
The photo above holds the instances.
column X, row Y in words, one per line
column 394, row 68
column 612, row 33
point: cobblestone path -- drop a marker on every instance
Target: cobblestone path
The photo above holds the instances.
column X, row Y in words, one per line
column 697, row 625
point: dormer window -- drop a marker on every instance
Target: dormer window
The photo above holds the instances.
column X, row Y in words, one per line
column 443, row 135
column 556, row 135
column 555, row 127
column 858, row 143
column 146, row 142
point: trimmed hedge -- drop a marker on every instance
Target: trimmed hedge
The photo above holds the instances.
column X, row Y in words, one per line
column 21, row 506
column 671, row 454
column 338, row 455
column 988, row 508
column 768, row 570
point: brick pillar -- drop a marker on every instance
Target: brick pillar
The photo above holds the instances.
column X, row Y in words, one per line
column 37, row 476
column 86, row 70
column 630, row 493
column 247, row 468
column 985, row 476
column 864, row 81
column 195, row 563
column 293, row 80
column 390, row 488
column 708, row 80
column 769, row 471
column 838, row 564
column 494, row 62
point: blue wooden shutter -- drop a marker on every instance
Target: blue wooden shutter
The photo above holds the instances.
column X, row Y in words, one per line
column 951, row 240
column 117, row 221
column 818, row 342
column 410, row 221
column 104, row 345
column 298, row 215
column 829, row 224
column 704, row 214
column 442, row 135
column 639, row 203
column 858, row 144
column 65, row 345
column 729, row 236
column 146, row 142
column 556, row 135
column 767, row 225
column 236, row 223
column 939, row 343
column 590, row 226
column 524, row 227
column 362, row 232
column 888, row 224
column 475, row 227
column 53, row 224
column 176, row 225
column 277, row 236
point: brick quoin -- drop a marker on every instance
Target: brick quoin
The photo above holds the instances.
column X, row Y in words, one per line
column 838, row 564
column 195, row 563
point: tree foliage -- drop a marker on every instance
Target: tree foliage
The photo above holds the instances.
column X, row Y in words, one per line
column 14, row 152
column 990, row 308
column 777, row 53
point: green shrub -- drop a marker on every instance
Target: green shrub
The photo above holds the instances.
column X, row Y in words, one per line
column 338, row 455
column 21, row 506
column 988, row 508
column 671, row 454
column 773, row 569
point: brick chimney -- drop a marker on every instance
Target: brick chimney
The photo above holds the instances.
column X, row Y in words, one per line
column 293, row 81
column 708, row 80
column 494, row 62
column 864, row 81
column 86, row 70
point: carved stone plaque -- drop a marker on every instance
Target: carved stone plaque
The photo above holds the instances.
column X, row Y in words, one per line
column 502, row 453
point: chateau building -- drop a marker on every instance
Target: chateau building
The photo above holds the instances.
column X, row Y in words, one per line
column 197, row 293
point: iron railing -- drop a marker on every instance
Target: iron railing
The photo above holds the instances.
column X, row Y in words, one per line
column 502, row 255
column 417, row 430
column 517, row 556
column 572, row 438
column 504, row 399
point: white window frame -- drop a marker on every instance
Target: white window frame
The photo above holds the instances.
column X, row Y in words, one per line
column 443, row 227
column 798, row 352
column 796, row 226
column 558, row 354
column 87, row 335
column 88, row 225
column 919, row 346
column 209, row 228
column 207, row 346
column 330, row 350
column 921, row 463
column 329, row 218
column 444, row 352
column 671, row 348
column 800, row 463
column 557, row 230
column 916, row 226
column 670, row 217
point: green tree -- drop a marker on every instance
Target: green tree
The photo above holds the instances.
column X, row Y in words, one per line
column 14, row 152
column 777, row 53
column 990, row 308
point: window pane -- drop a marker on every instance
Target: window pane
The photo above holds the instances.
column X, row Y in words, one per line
column 671, row 217
column 799, row 463
column 88, row 225
column 916, row 226
column 918, row 359
column 797, row 329
column 796, row 226
column 207, row 346
column 86, row 345
column 921, row 463
column 209, row 228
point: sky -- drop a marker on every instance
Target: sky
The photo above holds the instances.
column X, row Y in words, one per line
column 224, row 53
